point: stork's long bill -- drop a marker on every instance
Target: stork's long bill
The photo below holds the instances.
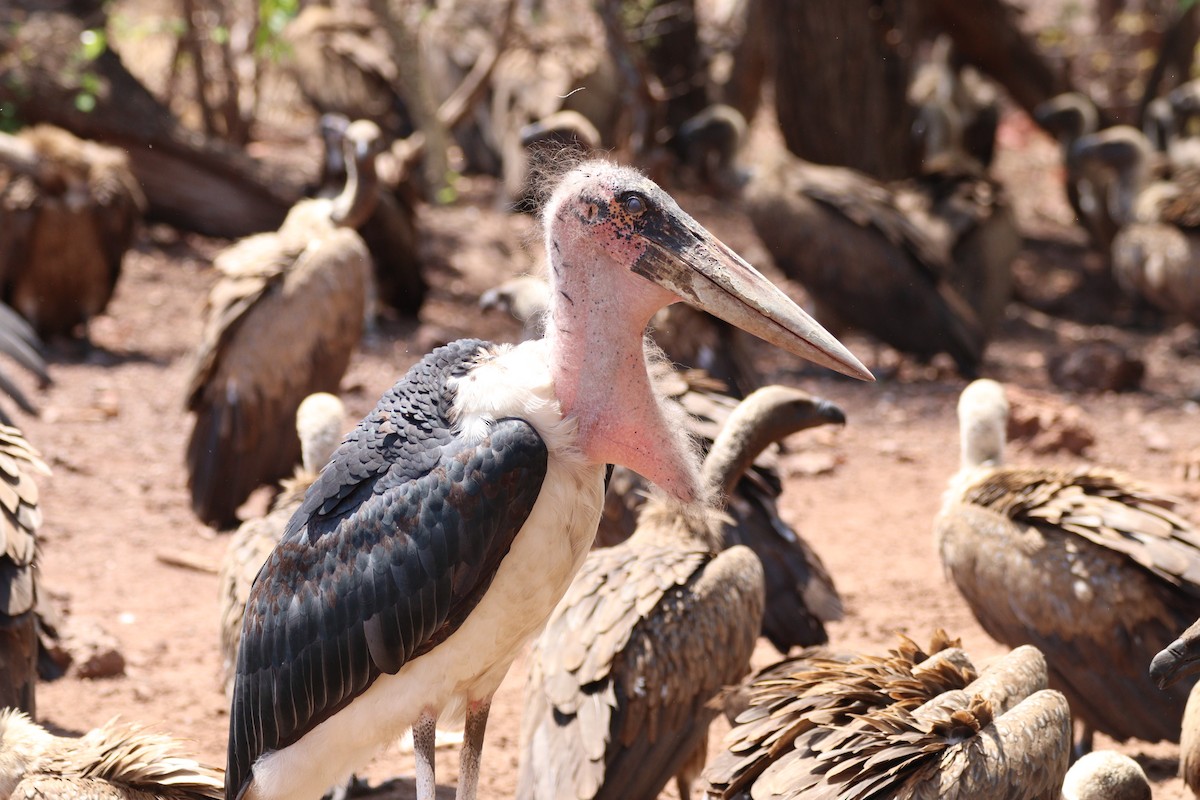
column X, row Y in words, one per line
column 703, row 272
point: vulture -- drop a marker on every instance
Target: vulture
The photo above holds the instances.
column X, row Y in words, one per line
column 282, row 323
column 1175, row 662
column 342, row 60
column 1070, row 117
column 114, row 762
column 1156, row 253
column 911, row 724
column 390, row 231
column 20, row 519
column 938, row 250
column 320, row 423
column 953, row 200
column 957, row 108
column 845, row 238
column 52, row 182
column 800, row 591
column 1088, row 565
column 621, row 682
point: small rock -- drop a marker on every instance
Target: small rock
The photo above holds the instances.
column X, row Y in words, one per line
column 1098, row 365
column 1046, row 423
column 95, row 652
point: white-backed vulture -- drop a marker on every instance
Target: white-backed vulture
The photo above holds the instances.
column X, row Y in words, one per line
column 912, row 724
column 282, row 323
column 1093, row 568
column 1106, row 775
column 1177, row 661
column 956, row 106
column 390, row 231
column 954, row 200
column 68, row 212
column 1069, row 117
column 20, row 519
column 619, row 694
column 844, row 237
column 114, row 762
column 342, row 60
column 1156, row 253
column 320, row 424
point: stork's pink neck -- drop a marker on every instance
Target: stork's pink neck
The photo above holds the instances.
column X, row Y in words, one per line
column 598, row 316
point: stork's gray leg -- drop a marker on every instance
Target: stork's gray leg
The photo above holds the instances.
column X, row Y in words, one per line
column 468, row 764
column 423, row 733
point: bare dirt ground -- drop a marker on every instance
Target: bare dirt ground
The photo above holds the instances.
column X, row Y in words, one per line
column 113, row 430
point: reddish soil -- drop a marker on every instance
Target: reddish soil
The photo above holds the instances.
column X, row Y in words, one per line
column 113, row 429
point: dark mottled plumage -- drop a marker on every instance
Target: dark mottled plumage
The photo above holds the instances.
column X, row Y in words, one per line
column 405, row 488
column 20, row 519
column 843, row 236
column 908, row 725
column 1095, row 570
column 20, row 342
column 51, row 182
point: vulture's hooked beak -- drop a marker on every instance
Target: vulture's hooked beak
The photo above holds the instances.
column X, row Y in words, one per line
column 1178, row 659
column 686, row 259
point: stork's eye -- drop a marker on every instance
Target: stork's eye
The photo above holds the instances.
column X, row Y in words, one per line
column 635, row 205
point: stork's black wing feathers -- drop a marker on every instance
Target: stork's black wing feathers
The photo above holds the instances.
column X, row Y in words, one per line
column 393, row 546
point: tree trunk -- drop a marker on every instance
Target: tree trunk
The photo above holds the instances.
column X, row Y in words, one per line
column 668, row 36
column 842, row 69
column 751, row 62
column 190, row 181
column 986, row 34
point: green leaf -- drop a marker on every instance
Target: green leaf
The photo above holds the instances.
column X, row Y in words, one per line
column 85, row 102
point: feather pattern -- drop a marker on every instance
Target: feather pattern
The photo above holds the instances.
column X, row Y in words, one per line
column 393, row 546
column 113, row 762
column 907, row 725
column 20, row 519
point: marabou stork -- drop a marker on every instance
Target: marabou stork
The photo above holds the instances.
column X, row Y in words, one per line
column 449, row 523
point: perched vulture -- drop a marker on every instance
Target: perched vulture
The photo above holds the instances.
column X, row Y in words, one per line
column 68, row 212
column 1176, row 661
column 115, row 762
column 390, row 231
column 863, row 259
column 320, row 424
column 1106, row 775
column 912, row 724
column 1091, row 567
column 283, row 321
column 621, row 682
column 20, row 519
column 1156, row 253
